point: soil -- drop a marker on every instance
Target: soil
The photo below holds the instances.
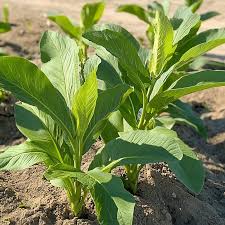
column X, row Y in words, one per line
column 26, row 198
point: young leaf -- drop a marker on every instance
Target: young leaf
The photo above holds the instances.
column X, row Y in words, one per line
column 123, row 48
column 114, row 205
column 183, row 21
column 200, row 44
column 136, row 10
column 22, row 156
column 139, row 147
column 85, row 102
column 189, row 170
column 66, row 25
column 91, row 13
column 105, row 105
column 188, row 84
column 183, row 113
column 163, row 40
column 59, row 54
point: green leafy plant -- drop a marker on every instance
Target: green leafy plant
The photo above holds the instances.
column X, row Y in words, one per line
column 4, row 24
column 159, row 80
column 91, row 13
column 182, row 14
column 62, row 113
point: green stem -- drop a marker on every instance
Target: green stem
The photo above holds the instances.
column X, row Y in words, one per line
column 144, row 109
column 75, row 197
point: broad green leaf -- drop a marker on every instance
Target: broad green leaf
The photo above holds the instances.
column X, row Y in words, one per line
column 92, row 64
column 85, row 102
column 135, row 10
column 183, row 21
column 112, row 199
column 108, row 102
column 4, row 27
column 22, row 156
column 199, row 63
column 139, row 147
column 158, row 85
column 209, row 15
column 162, row 47
column 114, row 205
column 183, row 113
column 201, row 44
column 113, row 126
column 122, row 47
column 60, row 56
column 188, row 84
column 66, row 25
column 30, row 85
column 40, row 128
column 91, row 13
column 189, row 170
column 107, row 76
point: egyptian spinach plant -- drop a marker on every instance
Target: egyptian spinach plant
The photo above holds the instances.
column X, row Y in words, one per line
column 61, row 116
column 91, row 13
column 159, row 79
column 179, row 111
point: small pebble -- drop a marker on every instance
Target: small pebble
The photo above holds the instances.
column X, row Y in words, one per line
column 174, row 195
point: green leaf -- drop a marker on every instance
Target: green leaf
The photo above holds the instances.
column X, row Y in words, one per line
column 85, row 102
column 66, row 25
column 92, row 64
column 139, row 147
column 183, row 113
column 163, row 40
column 108, row 102
column 209, row 15
column 41, row 129
column 196, row 5
column 4, row 27
column 107, row 76
column 188, row 84
column 201, row 44
column 114, row 205
column 91, row 13
column 135, row 10
column 112, row 199
column 60, row 56
column 183, row 21
column 22, row 156
column 30, row 85
column 121, row 46
column 165, row 121
column 113, row 126
column 189, row 170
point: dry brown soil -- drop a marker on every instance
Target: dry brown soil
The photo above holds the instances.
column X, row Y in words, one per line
column 27, row 199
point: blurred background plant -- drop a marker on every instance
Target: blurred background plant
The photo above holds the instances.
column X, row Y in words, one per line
column 5, row 26
column 90, row 14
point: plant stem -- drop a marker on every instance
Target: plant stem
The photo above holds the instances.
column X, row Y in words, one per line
column 75, row 198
